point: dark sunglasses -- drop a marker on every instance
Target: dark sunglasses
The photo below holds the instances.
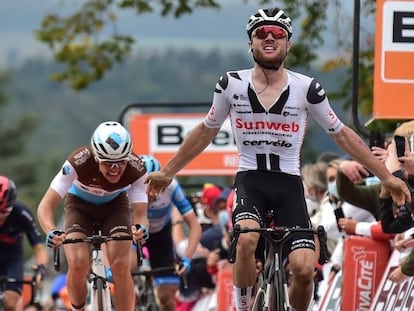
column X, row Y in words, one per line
column 277, row 32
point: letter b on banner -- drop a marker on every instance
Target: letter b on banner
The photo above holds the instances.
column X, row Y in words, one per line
column 394, row 60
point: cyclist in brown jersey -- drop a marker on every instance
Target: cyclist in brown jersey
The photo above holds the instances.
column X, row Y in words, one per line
column 101, row 183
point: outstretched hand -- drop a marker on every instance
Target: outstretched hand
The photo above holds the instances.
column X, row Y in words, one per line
column 157, row 183
column 398, row 189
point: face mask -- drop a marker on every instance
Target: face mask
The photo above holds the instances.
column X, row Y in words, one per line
column 373, row 180
column 332, row 189
column 223, row 218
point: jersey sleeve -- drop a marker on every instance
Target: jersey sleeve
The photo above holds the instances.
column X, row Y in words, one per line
column 180, row 200
column 220, row 106
column 137, row 191
column 321, row 110
column 64, row 179
column 29, row 225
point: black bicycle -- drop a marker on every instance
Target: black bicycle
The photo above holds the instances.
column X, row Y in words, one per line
column 272, row 285
column 98, row 283
column 32, row 299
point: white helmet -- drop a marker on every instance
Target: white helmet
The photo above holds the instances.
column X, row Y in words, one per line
column 273, row 16
column 111, row 142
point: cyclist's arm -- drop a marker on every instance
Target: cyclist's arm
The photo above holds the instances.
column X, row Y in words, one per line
column 40, row 254
column 352, row 144
column 139, row 213
column 139, row 202
column 194, row 233
column 45, row 210
column 179, row 199
column 199, row 138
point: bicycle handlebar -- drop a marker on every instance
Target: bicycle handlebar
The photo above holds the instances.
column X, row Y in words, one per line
column 284, row 233
column 96, row 240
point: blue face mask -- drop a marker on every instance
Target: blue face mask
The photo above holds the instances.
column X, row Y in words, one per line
column 373, row 180
column 223, row 218
column 332, row 189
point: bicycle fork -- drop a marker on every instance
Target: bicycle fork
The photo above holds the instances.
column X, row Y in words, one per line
column 271, row 284
column 98, row 271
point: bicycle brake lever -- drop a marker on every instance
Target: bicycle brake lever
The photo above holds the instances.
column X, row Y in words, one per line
column 140, row 253
column 323, row 250
column 233, row 244
column 56, row 258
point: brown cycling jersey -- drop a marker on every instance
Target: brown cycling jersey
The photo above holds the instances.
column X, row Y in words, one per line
column 91, row 179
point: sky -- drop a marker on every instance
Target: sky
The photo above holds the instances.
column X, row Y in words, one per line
column 205, row 28
column 222, row 28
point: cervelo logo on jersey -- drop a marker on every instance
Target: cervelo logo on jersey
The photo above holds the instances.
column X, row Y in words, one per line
column 167, row 134
column 261, row 125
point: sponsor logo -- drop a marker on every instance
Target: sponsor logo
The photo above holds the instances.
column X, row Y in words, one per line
column 260, row 125
column 277, row 143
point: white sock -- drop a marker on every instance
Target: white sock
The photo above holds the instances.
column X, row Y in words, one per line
column 242, row 297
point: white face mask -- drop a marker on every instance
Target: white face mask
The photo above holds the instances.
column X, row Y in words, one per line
column 332, row 189
column 312, row 206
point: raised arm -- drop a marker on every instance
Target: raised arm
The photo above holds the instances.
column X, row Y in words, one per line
column 352, row 144
column 199, row 138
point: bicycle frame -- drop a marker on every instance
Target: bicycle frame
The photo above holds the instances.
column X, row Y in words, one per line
column 272, row 292
column 97, row 282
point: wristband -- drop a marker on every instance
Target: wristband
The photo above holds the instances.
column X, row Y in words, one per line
column 186, row 263
column 41, row 269
column 144, row 230
column 51, row 234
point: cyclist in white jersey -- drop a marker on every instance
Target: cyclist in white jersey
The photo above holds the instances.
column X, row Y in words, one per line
column 269, row 107
column 161, row 246
column 99, row 183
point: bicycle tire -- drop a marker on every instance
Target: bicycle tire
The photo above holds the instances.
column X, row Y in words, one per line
column 278, row 292
column 99, row 296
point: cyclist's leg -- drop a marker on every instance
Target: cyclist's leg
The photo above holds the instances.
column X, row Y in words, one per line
column 116, row 219
column 13, row 269
column 162, row 254
column 301, row 247
column 77, row 224
column 247, row 212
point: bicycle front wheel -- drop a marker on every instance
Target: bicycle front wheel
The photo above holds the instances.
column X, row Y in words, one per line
column 279, row 293
column 100, row 296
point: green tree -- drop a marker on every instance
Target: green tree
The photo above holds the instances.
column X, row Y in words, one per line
column 78, row 40
column 13, row 138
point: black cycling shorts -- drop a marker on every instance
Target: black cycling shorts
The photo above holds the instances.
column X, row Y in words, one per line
column 257, row 192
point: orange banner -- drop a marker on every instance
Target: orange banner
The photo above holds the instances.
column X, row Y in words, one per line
column 162, row 134
column 394, row 60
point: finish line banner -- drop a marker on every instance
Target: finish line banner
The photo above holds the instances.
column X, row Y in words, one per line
column 394, row 60
column 162, row 134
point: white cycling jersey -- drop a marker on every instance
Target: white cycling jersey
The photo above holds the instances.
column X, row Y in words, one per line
column 270, row 138
column 160, row 208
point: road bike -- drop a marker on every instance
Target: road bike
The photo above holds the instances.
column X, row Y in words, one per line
column 30, row 293
column 272, row 285
column 100, row 297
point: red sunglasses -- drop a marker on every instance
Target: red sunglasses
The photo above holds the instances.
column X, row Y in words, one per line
column 277, row 32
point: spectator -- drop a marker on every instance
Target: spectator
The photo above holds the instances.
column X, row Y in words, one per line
column 16, row 220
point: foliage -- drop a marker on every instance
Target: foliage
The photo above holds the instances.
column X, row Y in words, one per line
column 79, row 42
